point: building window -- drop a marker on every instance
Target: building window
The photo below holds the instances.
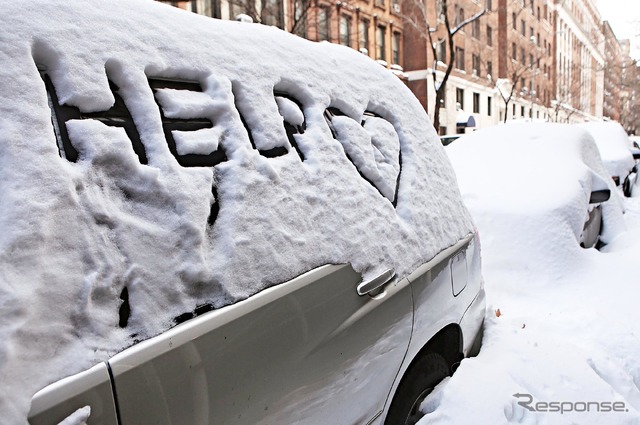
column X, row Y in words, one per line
column 514, row 21
column 489, row 5
column 538, row 13
column 489, row 68
column 489, row 36
column 514, row 53
column 395, row 47
column 271, row 13
column 523, row 58
column 489, row 106
column 323, row 24
column 523, row 28
column 475, row 65
column 476, row 103
column 459, row 16
column 363, row 35
column 475, row 29
column 522, row 111
column 531, row 59
column 381, row 43
column 514, row 110
column 299, row 19
column 345, row 30
column 460, row 58
column 460, row 98
column 441, row 51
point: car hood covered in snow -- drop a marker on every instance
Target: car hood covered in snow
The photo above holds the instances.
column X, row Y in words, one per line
column 76, row 234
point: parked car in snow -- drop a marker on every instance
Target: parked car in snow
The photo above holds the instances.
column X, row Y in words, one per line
column 546, row 176
column 215, row 222
column 615, row 150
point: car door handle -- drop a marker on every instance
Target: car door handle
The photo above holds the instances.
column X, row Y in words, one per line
column 367, row 286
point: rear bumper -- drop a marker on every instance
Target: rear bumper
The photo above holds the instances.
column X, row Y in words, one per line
column 472, row 323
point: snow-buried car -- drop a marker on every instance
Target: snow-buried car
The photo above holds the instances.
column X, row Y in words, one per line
column 218, row 222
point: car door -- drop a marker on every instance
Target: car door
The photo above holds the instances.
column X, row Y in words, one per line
column 309, row 351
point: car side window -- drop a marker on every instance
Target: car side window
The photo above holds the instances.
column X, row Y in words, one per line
column 117, row 116
column 187, row 122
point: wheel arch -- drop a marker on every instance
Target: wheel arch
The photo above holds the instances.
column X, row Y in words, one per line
column 447, row 342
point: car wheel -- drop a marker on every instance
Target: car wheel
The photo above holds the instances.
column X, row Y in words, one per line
column 419, row 381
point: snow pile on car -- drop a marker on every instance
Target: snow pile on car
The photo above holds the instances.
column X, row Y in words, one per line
column 532, row 181
column 613, row 144
column 110, row 248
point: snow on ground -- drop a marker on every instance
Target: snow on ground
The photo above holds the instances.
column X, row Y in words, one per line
column 563, row 330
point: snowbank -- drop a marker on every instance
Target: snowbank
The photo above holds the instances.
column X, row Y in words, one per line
column 570, row 339
column 562, row 322
column 613, row 144
column 77, row 238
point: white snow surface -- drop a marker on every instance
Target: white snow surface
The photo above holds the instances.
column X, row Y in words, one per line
column 613, row 144
column 74, row 235
column 562, row 322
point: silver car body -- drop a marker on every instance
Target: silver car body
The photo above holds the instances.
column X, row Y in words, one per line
column 308, row 351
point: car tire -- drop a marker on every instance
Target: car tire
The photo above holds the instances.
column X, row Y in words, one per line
column 419, row 381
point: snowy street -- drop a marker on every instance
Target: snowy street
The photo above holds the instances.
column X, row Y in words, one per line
column 563, row 335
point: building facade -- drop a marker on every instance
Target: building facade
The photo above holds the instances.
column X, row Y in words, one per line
column 373, row 27
column 551, row 60
column 580, row 62
column 613, row 74
column 503, row 62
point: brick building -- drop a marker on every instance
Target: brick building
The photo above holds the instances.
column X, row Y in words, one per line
column 552, row 60
column 373, row 27
column 613, row 74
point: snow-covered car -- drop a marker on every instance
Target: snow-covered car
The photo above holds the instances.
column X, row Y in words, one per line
column 615, row 150
column 207, row 221
column 539, row 179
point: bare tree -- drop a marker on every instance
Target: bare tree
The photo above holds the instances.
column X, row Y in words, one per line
column 268, row 12
column 299, row 16
column 289, row 16
column 510, row 83
column 417, row 17
column 566, row 93
column 507, row 87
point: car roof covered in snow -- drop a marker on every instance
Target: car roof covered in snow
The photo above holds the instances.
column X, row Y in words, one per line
column 613, row 144
column 227, row 211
